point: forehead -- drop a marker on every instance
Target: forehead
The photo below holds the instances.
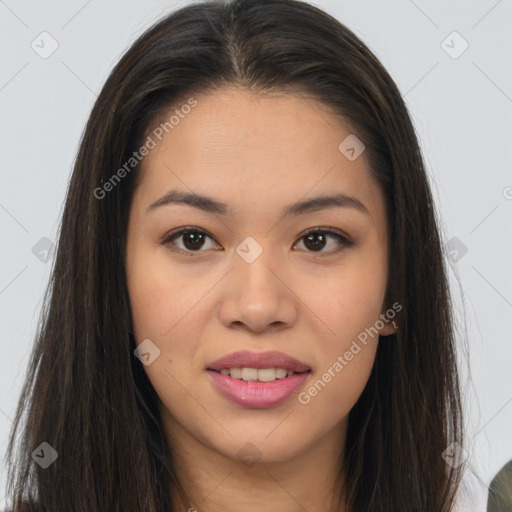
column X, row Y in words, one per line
column 237, row 143
column 236, row 121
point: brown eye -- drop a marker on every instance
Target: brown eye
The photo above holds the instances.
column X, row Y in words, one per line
column 317, row 239
column 193, row 240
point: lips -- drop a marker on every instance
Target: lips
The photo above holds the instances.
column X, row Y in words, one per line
column 258, row 395
column 259, row 360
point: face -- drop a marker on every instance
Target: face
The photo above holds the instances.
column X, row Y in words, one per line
column 246, row 277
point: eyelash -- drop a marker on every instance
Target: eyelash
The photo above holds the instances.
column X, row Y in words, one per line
column 170, row 237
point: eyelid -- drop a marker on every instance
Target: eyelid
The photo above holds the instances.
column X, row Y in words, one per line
column 176, row 233
column 344, row 239
column 331, row 231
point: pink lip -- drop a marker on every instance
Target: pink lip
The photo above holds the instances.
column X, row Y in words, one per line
column 246, row 359
column 256, row 394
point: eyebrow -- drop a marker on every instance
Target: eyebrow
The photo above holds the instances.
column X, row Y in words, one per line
column 210, row 205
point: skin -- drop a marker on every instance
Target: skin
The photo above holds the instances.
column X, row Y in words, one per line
column 256, row 153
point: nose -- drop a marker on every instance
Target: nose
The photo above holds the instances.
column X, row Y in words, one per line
column 259, row 296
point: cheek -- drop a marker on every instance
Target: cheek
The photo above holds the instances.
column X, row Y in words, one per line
column 349, row 307
column 160, row 295
column 161, row 318
column 349, row 302
column 334, row 392
column 163, row 302
column 345, row 358
column 159, row 310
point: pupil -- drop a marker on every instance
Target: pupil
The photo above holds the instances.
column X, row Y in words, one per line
column 196, row 239
column 312, row 236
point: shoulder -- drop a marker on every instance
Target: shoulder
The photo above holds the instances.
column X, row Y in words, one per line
column 500, row 490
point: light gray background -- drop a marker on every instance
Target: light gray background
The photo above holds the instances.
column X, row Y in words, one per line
column 462, row 109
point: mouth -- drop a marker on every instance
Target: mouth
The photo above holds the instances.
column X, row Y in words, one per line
column 258, row 374
column 258, row 380
column 243, row 387
column 248, row 362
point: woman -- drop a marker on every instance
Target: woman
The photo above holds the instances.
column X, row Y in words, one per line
column 249, row 306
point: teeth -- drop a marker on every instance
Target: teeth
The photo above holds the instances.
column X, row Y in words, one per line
column 249, row 374
column 237, row 373
column 281, row 373
column 262, row 374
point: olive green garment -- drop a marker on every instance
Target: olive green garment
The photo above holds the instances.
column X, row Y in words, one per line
column 500, row 490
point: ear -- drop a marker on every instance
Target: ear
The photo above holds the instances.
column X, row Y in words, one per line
column 388, row 327
column 387, row 330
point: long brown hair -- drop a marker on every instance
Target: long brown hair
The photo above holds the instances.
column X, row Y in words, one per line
column 87, row 396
